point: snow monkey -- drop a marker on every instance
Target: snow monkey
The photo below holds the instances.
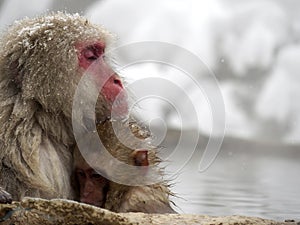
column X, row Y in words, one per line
column 94, row 189
column 41, row 63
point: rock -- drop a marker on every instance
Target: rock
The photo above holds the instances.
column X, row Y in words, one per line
column 36, row 211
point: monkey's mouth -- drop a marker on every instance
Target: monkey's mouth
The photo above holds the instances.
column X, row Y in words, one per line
column 111, row 109
column 112, row 112
column 119, row 109
column 118, row 106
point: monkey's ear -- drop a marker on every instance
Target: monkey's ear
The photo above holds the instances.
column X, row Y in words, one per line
column 140, row 157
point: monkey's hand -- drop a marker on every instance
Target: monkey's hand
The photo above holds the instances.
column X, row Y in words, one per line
column 5, row 197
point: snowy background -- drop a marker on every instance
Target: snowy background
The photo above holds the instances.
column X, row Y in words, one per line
column 252, row 47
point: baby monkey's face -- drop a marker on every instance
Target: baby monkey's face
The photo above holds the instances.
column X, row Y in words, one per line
column 92, row 186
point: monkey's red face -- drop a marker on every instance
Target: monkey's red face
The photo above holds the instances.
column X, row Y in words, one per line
column 92, row 186
column 91, row 58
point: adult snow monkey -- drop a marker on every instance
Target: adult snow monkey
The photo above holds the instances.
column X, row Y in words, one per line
column 41, row 63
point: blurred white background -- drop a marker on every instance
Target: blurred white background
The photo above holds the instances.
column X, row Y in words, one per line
column 251, row 46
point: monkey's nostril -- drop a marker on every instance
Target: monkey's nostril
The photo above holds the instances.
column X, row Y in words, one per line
column 118, row 82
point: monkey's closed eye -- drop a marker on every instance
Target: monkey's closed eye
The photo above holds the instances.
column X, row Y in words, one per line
column 97, row 176
column 80, row 173
column 93, row 52
column 90, row 55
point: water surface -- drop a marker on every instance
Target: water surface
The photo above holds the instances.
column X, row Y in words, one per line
column 247, row 178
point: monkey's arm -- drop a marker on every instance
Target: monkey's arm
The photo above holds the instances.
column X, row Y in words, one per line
column 152, row 206
column 147, row 199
